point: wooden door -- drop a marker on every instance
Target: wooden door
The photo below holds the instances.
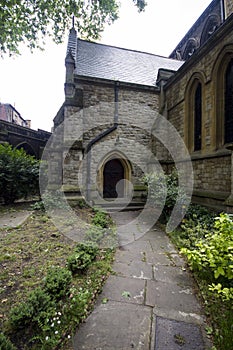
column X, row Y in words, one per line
column 113, row 173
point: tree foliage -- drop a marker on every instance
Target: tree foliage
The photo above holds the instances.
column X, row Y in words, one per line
column 19, row 174
column 32, row 21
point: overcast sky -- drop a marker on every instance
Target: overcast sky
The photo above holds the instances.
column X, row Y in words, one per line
column 34, row 83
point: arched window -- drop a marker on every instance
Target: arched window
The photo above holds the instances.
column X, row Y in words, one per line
column 228, row 121
column 194, row 119
column 197, row 117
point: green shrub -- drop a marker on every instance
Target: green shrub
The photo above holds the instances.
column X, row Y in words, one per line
column 34, row 309
column 95, row 234
column 19, row 174
column 82, row 257
column 57, row 281
column 89, row 248
column 101, row 219
column 38, row 206
column 200, row 215
column 5, row 343
column 197, row 223
column 163, row 190
column 214, row 253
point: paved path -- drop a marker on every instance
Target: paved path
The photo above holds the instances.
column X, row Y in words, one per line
column 148, row 302
column 13, row 218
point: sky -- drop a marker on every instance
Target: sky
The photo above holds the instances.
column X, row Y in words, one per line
column 34, row 82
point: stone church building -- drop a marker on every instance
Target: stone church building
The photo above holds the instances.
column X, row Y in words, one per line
column 113, row 97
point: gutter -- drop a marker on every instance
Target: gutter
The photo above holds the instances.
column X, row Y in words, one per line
column 101, row 136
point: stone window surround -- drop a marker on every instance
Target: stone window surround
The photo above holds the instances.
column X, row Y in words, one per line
column 196, row 79
column 218, row 74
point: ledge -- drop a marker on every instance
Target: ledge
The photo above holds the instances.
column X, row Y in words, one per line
column 219, row 195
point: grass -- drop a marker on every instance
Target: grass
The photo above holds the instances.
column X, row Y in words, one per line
column 27, row 253
column 219, row 314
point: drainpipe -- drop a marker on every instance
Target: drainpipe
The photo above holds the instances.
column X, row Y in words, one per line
column 101, row 136
column 222, row 9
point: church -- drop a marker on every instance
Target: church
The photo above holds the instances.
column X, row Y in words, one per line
column 115, row 99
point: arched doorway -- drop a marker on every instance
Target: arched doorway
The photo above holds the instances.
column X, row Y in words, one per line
column 112, row 174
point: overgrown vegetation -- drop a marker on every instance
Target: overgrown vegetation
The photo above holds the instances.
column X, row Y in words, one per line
column 84, row 254
column 50, row 283
column 163, row 191
column 101, row 231
column 16, row 167
column 206, row 239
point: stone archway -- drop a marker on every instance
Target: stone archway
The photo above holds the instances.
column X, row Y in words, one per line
column 27, row 148
column 114, row 168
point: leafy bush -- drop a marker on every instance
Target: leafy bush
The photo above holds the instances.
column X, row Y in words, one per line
column 19, row 174
column 57, row 281
column 164, row 191
column 5, row 343
column 34, row 309
column 201, row 215
column 101, row 219
column 89, row 248
column 197, row 223
column 214, row 253
column 38, row 206
column 95, row 234
column 82, row 257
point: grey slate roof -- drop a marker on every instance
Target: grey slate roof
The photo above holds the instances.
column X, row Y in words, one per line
column 113, row 63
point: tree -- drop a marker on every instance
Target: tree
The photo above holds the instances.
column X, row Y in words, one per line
column 32, row 21
column 19, row 174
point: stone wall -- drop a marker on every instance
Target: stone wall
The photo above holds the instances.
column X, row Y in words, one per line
column 32, row 141
column 212, row 164
column 133, row 115
column 228, row 7
column 213, row 174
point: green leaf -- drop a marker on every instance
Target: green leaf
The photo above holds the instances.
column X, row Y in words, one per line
column 126, row 294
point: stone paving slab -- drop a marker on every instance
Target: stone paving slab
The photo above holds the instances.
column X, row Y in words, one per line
column 125, row 290
column 115, row 326
column 159, row 258
column 136, row 251
column 172, row 297
column 13, row 219
column 178, row 315
column 134, row 269
column 176, row 335
column 172, row 274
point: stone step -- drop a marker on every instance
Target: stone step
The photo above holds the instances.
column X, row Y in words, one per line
column 112, row 206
